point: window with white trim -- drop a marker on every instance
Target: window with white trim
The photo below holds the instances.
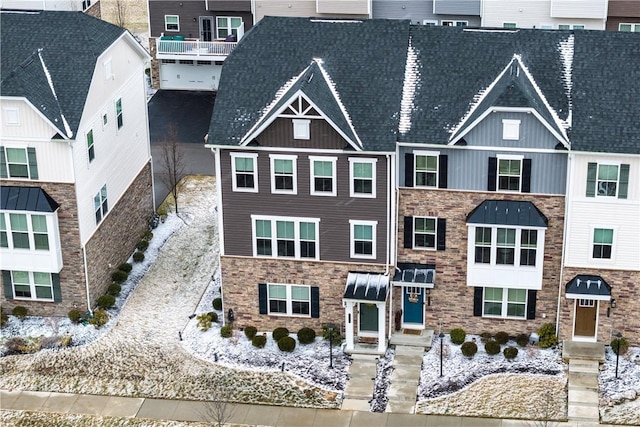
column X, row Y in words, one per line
column 100, row 204
column 450, row 23
column 506, row 246
column 283, row 237
column 607, row 181
column 571, row 27
column 483, row 245
column 4, row 236
column 91, row 150
column 363, row 239
column 586, row 303
column 631, row 28
column 289, row 300
column 11, row 116
column 509, row 25
column 602, row 243
column 32, row 285
column 24, row 231
column 429, row 22
column 426, row 170
column 504, row 302
column 362, row 177
column 283, row 174
column 509, row 173
column 20, row 163
column 119, row 118
column 244, row 167
column 424, row 232
column 227, row 25
column 301, row 128
column 323, row 176
column 171, row 23
column 528, row 247
column 511, row 129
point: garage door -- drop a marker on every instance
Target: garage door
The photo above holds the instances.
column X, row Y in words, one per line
column 189, row 75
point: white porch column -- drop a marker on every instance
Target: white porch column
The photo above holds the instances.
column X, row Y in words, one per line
column 348, row 324
column 382, row 335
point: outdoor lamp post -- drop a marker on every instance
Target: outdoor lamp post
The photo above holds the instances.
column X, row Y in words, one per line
column 619, row 336
column 441, row 350
column 331, row 346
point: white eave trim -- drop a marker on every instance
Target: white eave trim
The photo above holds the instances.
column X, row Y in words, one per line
column 587, row 296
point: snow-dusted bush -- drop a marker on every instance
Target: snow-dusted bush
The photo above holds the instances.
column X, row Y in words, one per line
column 99, row 319
column 114, row 289
column 619, row 346
column 279, row 333
column 469, row 348
column 492, row 347
column 142, row 245
column 204, row 321
column 213, row 315
column 547, row 334
column 147, row 235
column 15, row 345
column 287, row 344
column 226, row 331
column 217, row 303
column 250, row 332
column 522, row 340
column 20, row 312
column 138, row 256
column 306, row 336
column 485, row 336
column 106, row 301
column 75, row 315
column 502, row 337
column 119, row 276
column 3, row 317
column 259, row 341
column 457, row 335
column 510, row 353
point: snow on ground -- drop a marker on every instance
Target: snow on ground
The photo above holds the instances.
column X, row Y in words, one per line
column 620, row 397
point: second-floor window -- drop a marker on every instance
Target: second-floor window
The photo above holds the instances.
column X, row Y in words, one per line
column 323, row 176
column 363, row 239
column 634, row 28
column 602, row 243
column 18, row 163
column 282, row 237
column 426, row 170
column 227, row 25
column 607, row 180
column 509, row 173
column 424, row 232
column 100, row 204
column 245, row 173
column 24, row 231
column 91, row 151
column 506, row 246
column 171, row 23
column 283, row 174
column 362, row 177
column 119, row 118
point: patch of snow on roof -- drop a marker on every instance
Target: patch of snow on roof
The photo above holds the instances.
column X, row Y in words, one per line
column 411, row 77
column 67, row 128
column 566, row 52
column 337, row 21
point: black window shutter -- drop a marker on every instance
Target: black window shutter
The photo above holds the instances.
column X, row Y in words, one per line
column 491, row 176
column 315, row 302
column 443, row 171
column 624, row 181
column 262, row 297
column 33, row 164
column 6, row 281
column 442, row 234
column 592, row 170
column 57, row 292
column 531, row 304
column 526, row 175
column 3, row 164
column 408, row 232
column 408, row 170
column 477, row 301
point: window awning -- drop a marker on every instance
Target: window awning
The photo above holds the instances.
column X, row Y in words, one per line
column 507, row 212
column 33, row 199
column 420, row 275
column 588, row 287
column 367, row 286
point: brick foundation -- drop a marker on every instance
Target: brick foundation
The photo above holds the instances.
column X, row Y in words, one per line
column 155, row 64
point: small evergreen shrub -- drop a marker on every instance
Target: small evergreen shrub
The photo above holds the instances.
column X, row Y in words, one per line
column 204, row 321
column 469, row 348
column 547, row 335
column 492, row 347
column 20, row 312
column 335, row 336
column 114, row 289
column 306, row 336
column 162, row 210
column 142, row 245
column 485, row 336
column 217, row 303
column 250, row 332
column 75, row 315
column 3, row 318
column 119, row 276
column 287, row 344
column 279, row 333
column 138, row 256
column 126, row 267
column 502, row 337
column 457, row 335
column 106, row 301
column 99, row 319
column 619, row 347
column 522, row 340
column 226, row 331
column 259, row 341
column 510, row 353
column 213, row 315
column 147, row 235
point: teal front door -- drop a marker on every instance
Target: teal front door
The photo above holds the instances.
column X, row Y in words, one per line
column 368, row 318
column 413, row 307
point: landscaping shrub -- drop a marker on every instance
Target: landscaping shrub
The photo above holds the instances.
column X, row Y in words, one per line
column 100, row 318
column 336, row 337
column 620, row 347
column 75, row 315
column 287, row 344
column 226, row 331
column 213, row 315
column 457, row 335
column 469, row 348
column 204, row 321
column 65, row 341
column 250, row 332
column 492, row 347
column 50, row 342
column 106, row 301
column 502, row 337
column 259, row 341
column 217, row 303
column 522, row 340
column 306, row 336
column 126, row 267
column 485, row 336
column 510, row 353
column 142, row 245
column 20, row 312
column 119, row 276
column 114, row 289
column 3, row 318
column 138, row 256
column 147, row 235
column 279, row 333
column 547, row 335
column 15, row 345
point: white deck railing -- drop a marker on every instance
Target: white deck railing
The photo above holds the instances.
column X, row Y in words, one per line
column 197, row 48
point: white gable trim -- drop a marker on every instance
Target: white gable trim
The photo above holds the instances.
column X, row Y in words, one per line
column 38, row 112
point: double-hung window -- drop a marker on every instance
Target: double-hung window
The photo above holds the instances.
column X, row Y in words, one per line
column 19, row 231
column 18, row 163
column 283, row 174
column 227, row 25
column 171, row 23
column 100, row 204
column 283, row 237
column 483, row 245
column 290, row 300
column 323, row 176
column 424, row 233
column 245, row 172
column 119, row 118
column 363, row 239
column 528, row 247
column 24, row 231
column 607, row 180
column 4, row 236
column 91, row 151
column 504, row 302
column 40, row 233
column 633, row 28
column 509, row 174
column 362, row 177
column 602, row 243
column 607, row 184
column 505, row 246
column 426, row 170
column 32, row 285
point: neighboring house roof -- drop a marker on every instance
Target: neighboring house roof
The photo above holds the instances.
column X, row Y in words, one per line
column 33, row 199
column 48, row 57
column 507, row 212
column 589, row 287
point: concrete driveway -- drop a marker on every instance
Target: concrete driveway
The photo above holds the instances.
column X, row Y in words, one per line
column 190, row 113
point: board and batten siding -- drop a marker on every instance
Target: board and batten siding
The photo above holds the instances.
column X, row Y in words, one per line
column 32, row 125
column 334, row 212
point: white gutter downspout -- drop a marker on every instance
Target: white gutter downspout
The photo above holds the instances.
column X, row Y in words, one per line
column 86, row 278
column 564, row 238
column 389, row 226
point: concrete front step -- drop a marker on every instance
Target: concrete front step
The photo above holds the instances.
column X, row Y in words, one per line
column 583, row 412
column 356, row 405
column 404, row 350
column 401, row 407
column 412, row 360
column 583, row 397
column 588, row 368
column 402, row 392
column 362, row 369
column 583, row 380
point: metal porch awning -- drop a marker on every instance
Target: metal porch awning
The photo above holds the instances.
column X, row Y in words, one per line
column 588, row 287
column 372, row 287
column 419, row 275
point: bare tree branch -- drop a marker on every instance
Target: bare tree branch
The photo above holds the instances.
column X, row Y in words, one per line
column 219, row 409
column 120, row 12
column 172, row 162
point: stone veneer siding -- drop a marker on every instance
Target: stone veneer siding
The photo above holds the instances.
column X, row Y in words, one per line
column 624, row 318
column 241, row 276
column 155, row 64
column 451, row 298
column 119, row 232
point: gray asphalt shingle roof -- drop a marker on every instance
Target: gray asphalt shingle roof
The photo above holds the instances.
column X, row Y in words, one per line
column 68, row 44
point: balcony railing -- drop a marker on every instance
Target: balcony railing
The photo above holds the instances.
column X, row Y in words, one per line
column 195, row 48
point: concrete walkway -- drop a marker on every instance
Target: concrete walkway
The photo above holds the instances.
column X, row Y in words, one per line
column 584, row 363
column 359, row 390
column 407, row 365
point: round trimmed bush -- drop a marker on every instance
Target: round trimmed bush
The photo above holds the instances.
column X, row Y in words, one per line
column 510, row 353
column 547, row 334
column 502, row 337
column 457, row 335
column 213, row 316
column 100, row 318
column 147, row 235
column 469, row 348
column 114, row 289
column 20, row 312
column 106, row 301
column 259, row 341
column 619, row 347
column 138, row 256
column 485, row 336
column 286, row 344
column 250, row 332
column 279, row 333
column 126, row 267
column 226, row 331
column 75, row 315
column 142, row 245
column 217, row 303
column 492, row 347
column 306, row 336
column 119, row 276
column 522, row 340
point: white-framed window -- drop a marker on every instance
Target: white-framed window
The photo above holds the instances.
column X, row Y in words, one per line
column 323, row 176
column 284, row 237
column 511, row 129
column 4, row 236
column 483, row 245
column 91, row 150
column 632, row 28
column 20, row 163
column 119, row 118
column 108, row 73
column 450, row 23
column 244, row 167
column 289, row 300
column 171, row 23
column 607, row 180
column 528, row 247
column 11, row 116
column 546, row 26
column 506, row 246
column 31, row 285
column 301, row 128
column 586, row 303
column 602, row 243
column 24, row 231
column 362, row 177
column 105, row 120
column 429, row 22
column 283, row 174
column 227, row 25
column 426, row 169
column 363, row 239
column 509, row 173
column 510, row 25
column 100, row 204
column 504, row 302
column 424, row 232
column 500, row 245
column 571, row 27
